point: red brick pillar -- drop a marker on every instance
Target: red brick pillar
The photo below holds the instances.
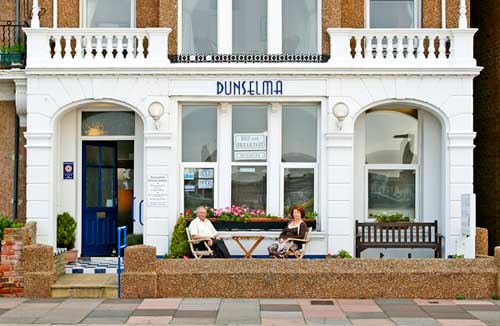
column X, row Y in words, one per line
column 11, row 281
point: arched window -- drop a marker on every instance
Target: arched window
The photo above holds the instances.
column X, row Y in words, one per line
column 392, row 161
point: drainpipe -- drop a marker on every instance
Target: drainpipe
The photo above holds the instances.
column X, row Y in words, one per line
column 16, row 168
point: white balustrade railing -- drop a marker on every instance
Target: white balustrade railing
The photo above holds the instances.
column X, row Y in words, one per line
column 101, row 47
column 401, row 47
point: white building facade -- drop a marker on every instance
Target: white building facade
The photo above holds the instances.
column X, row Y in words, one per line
column 171, row 134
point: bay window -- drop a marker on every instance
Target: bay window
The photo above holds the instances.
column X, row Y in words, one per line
column 249, row 26
column 260, row 156
column 300, row 26
column 392, row 162
column 199, row 26
column 108, row 13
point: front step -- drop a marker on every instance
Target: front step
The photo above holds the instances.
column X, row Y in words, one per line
column 86, row 286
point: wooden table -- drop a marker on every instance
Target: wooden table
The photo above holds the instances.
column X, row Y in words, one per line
column 248, row 253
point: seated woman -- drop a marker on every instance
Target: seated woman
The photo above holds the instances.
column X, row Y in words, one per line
column 296, row 228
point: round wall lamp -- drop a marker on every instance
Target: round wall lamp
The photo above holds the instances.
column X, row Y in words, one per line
column 156, row 111
column 340, row 111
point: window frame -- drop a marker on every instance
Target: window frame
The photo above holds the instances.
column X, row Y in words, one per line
column 417, row 20
column 83, row 14
column 417, row 167
column 274, row 25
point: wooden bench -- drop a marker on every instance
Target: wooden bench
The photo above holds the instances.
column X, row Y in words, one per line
column 409, row 235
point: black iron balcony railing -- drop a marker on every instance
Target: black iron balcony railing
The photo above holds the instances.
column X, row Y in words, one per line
column 248, row 58
column 12, row 45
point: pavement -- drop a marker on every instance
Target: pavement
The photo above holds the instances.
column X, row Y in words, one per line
column 187, row 311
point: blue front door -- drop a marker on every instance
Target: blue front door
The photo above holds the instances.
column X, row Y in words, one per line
column 99, row 205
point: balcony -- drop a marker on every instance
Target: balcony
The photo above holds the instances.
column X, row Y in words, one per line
column 12, row 45
column 359, row 49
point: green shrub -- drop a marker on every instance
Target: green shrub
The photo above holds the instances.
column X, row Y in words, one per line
column 134, row 239
column 397, row 217
column 343, row 254
column 179, row 245
column 66, row 226
column 460, row 296
column 5, row 222
column 494, row 296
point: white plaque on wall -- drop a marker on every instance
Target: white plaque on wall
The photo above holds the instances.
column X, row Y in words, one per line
column 250, row 156
column 157, row 190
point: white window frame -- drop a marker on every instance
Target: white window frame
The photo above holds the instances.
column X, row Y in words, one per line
column 225, row 27
column 417, row 7
column 417, row 167
column 198, row 165
column 225, row 162
column 83, row 14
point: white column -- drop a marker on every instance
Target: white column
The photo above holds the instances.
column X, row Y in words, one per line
column 274, row 27
column 274, row 161
column 224, row 155
column 443, row 14
column 39, row 185
column 461, row 180
column 462, row 20
column 35, row 11
column 158, row 46
column 224, row 26
column 340, row 191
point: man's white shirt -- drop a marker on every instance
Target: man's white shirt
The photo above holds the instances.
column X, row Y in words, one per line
column 202, row 228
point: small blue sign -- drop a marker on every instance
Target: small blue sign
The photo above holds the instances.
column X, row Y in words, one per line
column 68, row 170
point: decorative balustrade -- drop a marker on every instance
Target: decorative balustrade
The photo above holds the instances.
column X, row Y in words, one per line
column 350, row 48
column 401, row 47
column 113, row 47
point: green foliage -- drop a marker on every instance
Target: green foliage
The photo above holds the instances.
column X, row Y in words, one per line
column 15, row 48
column 134, row 239
column 66, row 226
column 343, row 254
column 460, row 296
column 311, row 215
column 5, row 223
column 179, row 245
column 494, row 296
column 397, row 217
column 457, row 256
column 238, row 214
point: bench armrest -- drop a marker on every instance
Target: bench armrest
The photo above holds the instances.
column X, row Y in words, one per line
column 200, row 240
column 296, row 239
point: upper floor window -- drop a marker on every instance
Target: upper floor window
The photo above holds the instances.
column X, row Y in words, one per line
column 300, row 26
column 393, row 13
column 109, row 13
column 249, row 26
column 199, row 26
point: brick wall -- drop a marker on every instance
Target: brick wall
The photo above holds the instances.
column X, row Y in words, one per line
column 11, row 268
column 486, row 17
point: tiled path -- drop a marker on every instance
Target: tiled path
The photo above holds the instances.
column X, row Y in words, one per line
column 248, row 312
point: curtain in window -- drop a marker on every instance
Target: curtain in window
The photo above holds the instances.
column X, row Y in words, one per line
column 199, row 26
column 109, row 13
column 392, row 13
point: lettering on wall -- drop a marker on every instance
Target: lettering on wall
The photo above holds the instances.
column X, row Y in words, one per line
column 249, row 87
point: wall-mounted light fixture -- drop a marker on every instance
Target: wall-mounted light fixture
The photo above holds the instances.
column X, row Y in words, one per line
column 340, row 111
column 156, row 111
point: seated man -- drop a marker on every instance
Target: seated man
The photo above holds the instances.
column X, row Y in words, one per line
column 202, row 228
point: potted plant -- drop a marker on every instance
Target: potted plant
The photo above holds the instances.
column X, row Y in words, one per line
column 243, row 218
column 12, row 54
column 66, row 226
column 392, row 218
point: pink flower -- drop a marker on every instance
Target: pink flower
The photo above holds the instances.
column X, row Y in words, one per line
column 185, row 258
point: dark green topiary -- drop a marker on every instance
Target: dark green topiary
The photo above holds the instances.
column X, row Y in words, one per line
column 134, row 239
column 66, row 226
column 179, row 245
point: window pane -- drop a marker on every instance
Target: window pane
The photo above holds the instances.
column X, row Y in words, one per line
column 199, row 134
column 107, row 155
column 392, row 13
column 300, row 26
column 91, row 154
column 91, row 190
column 199, row 26
column 391, row 137
column 249, row 133
column 109, row 123
column 107, row 186
column 198, row 188
column 391, row 192
column 299, row 133
column 248, row 186
column 299, row 189
column 108, row 13
column 249, row 26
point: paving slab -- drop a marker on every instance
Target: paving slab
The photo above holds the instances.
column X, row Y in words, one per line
column 281, row 315
column 366, row 315
column 195, row 314
column 372, row 322
column 280, row 307
column 395, row 301
column 199, row 304
column 480, row 307
column 415, row 321
column 109, row 313
column 282, row 322
column 105, row 321
column 327, row 321
column 160, row 303
column 192, row 321
column 489, row 317
column 148, row 320
column 460, row 322
column 154, row 312
column 279, row 301
column 9, row 303
column 248, row 312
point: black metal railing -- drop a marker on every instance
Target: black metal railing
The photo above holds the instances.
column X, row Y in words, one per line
column 249, row 58
column 12, row 45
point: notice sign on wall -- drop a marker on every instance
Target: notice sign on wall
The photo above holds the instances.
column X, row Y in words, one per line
column 157, row 190
column 68, row 171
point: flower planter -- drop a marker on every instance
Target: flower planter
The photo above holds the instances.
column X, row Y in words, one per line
column 266, row 224
column 7, row 59
column 71, row 256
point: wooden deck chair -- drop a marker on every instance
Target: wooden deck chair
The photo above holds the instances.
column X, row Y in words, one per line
column 198, row 253
column 299, row 254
